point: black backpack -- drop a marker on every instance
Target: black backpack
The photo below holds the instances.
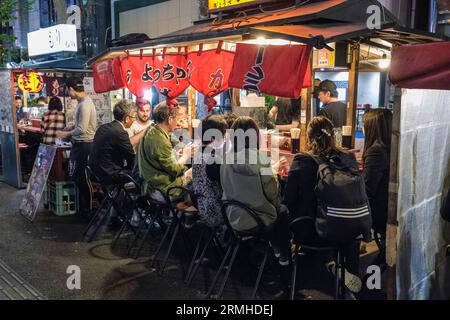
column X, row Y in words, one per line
column 132, row 38
column 343, row 210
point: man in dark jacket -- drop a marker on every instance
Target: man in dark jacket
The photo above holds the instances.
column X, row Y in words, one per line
column 333, row 109
column 111, row 150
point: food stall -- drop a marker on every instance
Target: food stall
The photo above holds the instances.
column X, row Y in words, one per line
column 341, row 44
column 20, row 139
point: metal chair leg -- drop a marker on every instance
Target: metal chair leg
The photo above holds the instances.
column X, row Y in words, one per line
column 294, row 273
column 230, row 266
column 194, row 256
column 169, row 249
column 101, row 222
column 136, row 235
column 340, row 274
column 200, row 259
column 144, row 238
column 260, row 273
column 161, row 243
column 96, row 216
column 219, row 271
column 122, row 228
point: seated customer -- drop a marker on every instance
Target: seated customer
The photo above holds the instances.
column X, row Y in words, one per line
column 250, row 181
column 158, row 166
column 300, row 196
column 52, row 121
column 209, row 192
column 111, row 150
column 143, row 121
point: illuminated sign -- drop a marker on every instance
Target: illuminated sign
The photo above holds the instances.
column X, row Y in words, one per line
column 223, row 5
column 59, row 38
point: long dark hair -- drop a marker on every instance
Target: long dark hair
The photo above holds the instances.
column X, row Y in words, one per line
column 377, row 129
column 320, row 137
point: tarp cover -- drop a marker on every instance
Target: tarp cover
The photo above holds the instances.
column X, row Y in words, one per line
column 424, row 171
column 424, row 66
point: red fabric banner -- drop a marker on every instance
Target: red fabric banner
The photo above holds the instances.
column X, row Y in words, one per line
column 274, row 70
column 210, row 71
column 423, row 66
column 107, row 76
column 137, row 74
column 170, row 74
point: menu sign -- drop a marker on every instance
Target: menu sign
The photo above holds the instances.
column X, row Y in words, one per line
column 224, row 5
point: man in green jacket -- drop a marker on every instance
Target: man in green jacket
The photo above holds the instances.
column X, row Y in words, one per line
column 158, row 166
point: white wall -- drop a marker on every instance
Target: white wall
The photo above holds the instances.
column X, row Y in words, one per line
column 159, row 19
column 369, row 88
column 424, row 173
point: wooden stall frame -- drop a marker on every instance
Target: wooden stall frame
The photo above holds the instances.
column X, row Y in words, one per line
column 392, row 223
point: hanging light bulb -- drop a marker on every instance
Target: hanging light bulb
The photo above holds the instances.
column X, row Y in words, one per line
column 385, row 62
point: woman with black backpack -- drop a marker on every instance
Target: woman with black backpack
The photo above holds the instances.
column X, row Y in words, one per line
column 306, row 195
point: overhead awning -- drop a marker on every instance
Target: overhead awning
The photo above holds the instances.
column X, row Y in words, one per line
column 425, row 66
column 316, row 24
column 67, row 64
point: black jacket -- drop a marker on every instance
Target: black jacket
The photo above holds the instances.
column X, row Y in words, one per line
column 110, row 149
column 376, row 176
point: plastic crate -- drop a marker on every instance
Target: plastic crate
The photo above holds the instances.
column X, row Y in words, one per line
column 61, row 198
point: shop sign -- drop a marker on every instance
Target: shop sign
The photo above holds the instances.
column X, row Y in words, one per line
column 276, row 70
column 324, row 58
column 222, row 5
column 210, row 71
column 169, row 73
column 30, row 82
column 54, row 86
column 59, row 38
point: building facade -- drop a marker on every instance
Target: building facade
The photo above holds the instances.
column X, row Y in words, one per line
column 158, row 17
column 92, row 18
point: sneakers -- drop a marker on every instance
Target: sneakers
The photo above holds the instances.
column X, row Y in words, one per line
column 352, row 281
column 282, row 260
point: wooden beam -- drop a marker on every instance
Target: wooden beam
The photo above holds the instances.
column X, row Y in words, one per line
column 353, row 90
column 392, row 223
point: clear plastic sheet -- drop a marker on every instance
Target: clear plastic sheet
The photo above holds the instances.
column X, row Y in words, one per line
column 424, row 171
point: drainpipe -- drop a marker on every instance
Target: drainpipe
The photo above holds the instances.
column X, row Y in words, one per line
column 413, row 14
column 433, row 16
column 113, row 20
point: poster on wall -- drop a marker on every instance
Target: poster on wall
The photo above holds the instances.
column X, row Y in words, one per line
column 102, row 104
column 38, row 179
column 6, row 116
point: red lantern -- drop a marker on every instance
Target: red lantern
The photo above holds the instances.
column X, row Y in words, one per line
column 30, row 82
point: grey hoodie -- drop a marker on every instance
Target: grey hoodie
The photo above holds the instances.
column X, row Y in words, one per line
column 246, row 184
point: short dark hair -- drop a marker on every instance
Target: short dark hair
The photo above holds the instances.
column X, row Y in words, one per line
column 162, row 112
column 122, row 109
column 17, row 98
column 213, row 122
column 329, row 86
column 55, row 104
column 245, row 123
column 76, row 83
